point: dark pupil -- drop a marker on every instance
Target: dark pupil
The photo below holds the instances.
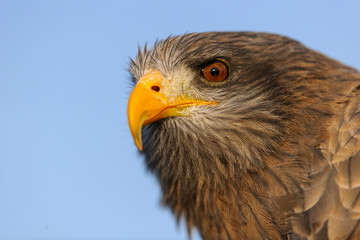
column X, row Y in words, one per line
column 214, row 71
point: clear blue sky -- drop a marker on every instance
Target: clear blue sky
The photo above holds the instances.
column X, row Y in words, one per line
column 68, row 165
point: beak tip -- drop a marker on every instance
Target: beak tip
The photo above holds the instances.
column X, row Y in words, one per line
column 139, row 145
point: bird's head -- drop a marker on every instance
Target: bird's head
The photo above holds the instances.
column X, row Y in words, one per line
column 231, row 121
column 211, row 96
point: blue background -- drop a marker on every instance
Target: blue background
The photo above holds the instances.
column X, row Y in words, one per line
column 68, row 165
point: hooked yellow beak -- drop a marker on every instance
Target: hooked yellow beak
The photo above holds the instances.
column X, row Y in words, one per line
column 147, row 104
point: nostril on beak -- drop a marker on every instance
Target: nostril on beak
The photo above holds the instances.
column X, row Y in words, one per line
column 155, row 88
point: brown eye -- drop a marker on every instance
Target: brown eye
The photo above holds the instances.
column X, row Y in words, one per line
column 215, row 71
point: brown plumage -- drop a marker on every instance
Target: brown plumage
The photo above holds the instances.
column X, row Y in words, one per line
column 270, row 152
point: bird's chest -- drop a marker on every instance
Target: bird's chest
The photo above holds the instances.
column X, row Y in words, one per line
column 227, row 210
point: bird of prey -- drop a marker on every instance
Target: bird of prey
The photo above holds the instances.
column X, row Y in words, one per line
column 251, row 135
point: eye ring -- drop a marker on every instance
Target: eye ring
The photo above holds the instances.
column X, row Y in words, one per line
column 215, row 71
